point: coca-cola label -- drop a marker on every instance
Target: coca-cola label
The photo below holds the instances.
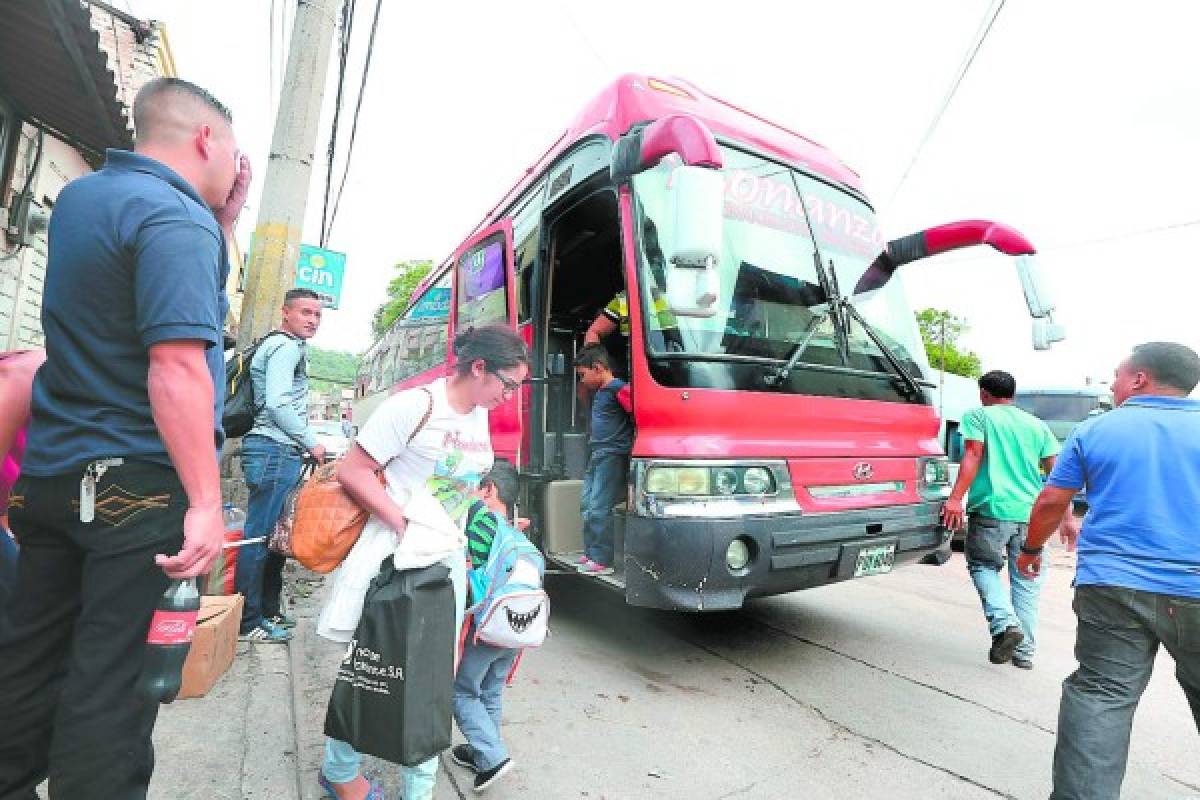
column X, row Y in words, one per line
column 172, row 627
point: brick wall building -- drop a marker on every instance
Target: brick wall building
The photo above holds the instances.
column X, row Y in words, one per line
column 69, row 71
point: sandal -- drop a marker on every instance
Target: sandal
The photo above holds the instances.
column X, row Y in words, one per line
column 375, row 792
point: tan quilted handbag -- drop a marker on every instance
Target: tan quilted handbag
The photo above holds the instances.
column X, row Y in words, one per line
column 320, row 522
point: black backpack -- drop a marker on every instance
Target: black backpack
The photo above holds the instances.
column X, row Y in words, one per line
column 240, row 406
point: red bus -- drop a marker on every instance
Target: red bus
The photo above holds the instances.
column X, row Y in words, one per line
column 786, row 426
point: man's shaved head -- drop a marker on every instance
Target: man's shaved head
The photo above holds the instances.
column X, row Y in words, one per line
column 186, row 128
column 169, row 109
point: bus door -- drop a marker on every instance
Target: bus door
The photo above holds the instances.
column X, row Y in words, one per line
column 485, row 294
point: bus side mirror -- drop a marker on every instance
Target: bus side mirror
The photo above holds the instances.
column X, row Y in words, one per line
column 1041, row 306
column 1037, row 296
column 697, row 201
column 1046, row 333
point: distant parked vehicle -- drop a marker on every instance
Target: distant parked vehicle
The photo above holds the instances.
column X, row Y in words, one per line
column 1064, row 408
column 329, row 434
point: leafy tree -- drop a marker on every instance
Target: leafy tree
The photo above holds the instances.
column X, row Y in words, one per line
column 330, row 370
column 408, row 275
column 957, row 360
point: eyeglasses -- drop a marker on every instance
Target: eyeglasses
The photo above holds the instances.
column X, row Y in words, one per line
column 510, row 386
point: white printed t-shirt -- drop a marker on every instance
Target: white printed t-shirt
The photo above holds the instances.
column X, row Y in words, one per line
column 448, row 457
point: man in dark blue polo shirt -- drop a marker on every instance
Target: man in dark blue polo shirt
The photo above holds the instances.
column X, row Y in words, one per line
column 120, row 489
column 1137, row 581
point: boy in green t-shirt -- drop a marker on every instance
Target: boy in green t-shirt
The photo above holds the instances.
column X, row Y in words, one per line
column 1007, row 451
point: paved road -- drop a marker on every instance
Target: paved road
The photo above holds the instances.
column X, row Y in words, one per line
column 873, row 688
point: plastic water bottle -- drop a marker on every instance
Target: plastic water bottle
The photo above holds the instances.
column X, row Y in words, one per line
column 235, row 520
column 168, row 641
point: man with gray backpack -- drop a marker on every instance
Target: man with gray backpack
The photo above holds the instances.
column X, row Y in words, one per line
column 510, row 613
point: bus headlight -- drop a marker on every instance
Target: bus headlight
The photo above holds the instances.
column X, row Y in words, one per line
column 718, row 488
column 933, row 478
column 720, row 481
column 683, row 481
column 726, row 480
column 757, row 480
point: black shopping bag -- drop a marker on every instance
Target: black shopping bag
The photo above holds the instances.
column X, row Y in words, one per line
column 395, row 687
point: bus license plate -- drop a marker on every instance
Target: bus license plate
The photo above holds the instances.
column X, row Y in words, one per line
column 875, row 560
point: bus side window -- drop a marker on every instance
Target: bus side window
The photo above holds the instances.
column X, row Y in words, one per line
column 526, row 256
column 482, row 284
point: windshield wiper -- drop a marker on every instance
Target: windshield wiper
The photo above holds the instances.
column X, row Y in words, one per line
column 913, row 385
column 779, row 376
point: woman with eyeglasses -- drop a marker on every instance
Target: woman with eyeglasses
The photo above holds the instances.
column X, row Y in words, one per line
column 437, row 439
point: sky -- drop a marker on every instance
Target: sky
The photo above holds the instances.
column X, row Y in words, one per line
column 1077, row 123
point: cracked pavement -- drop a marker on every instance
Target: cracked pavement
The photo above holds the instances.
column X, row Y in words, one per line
column 872, row 688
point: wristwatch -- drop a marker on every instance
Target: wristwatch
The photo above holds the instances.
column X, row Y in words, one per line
column 1032, row 551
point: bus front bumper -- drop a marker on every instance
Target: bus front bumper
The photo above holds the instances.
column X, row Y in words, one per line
column 680, row 562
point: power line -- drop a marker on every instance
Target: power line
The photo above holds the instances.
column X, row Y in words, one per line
column 984, row 29
column 1088, row 242
column 347, row 25
column 357, row 108
column 271, row 60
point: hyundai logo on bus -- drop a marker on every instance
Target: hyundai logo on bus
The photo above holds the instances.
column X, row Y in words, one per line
column 863, row 471
column 322, row 271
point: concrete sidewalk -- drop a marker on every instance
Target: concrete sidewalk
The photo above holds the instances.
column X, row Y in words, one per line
column 258, row 733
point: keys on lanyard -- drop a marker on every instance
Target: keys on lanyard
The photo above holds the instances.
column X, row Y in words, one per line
column 87, row 486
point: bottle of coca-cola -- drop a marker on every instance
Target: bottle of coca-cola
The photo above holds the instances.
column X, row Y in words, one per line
column 168, row 641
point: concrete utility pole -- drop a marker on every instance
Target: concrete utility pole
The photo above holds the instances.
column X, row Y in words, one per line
column 271, row 267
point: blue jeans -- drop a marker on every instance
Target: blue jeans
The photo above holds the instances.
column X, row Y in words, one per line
column 1119, row 634
column 603, row 488
column 272, row 470
column 477, row 689
column 991, row 544
column 343, row 763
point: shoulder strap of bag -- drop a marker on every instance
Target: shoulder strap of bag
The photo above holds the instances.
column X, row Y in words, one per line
column 424, row 418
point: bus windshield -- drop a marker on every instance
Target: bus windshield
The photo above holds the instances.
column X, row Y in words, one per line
column 791, row 244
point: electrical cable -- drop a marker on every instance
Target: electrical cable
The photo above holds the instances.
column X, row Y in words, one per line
column 1118, row 237
column 357, row 109
column 980, row 36
column 343, row 58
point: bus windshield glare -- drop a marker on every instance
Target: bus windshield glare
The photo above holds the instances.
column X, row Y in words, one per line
column 775, row 301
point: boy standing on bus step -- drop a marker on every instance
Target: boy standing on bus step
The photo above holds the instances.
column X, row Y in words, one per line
column 1006, row 451
column 609, row 443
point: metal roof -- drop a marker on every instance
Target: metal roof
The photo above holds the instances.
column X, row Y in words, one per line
column 55, row 73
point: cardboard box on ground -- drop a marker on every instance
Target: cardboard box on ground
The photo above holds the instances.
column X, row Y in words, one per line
column 214, row 644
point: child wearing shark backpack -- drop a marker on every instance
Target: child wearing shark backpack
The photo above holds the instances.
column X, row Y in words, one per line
column 484, row 668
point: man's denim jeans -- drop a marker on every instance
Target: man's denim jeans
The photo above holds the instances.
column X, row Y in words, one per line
column 992, row 544
column 343, row 763
column 477, row 690
column 272, row 470
column 1118, row 636
column 603, row 488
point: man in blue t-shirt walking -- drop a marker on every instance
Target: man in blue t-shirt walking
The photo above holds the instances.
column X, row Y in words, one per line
column 120, row 492
column 609, row 442
column 1137, row 580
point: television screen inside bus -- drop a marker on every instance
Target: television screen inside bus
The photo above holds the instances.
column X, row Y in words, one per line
column 481, row 285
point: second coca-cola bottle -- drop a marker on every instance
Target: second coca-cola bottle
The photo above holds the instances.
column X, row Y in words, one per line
column 168, row 641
